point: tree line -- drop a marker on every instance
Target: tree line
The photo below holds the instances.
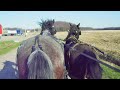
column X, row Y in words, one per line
column 64, row 26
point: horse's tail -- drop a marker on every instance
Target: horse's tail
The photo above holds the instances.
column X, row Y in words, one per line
column 39, row 66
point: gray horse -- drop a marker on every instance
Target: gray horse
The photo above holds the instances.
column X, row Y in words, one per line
column 41, row 57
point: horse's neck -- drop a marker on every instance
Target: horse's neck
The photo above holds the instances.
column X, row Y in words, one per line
column 71, row 44
column 46, row 33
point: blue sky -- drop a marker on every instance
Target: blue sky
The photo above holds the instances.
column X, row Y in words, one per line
column 29, row 19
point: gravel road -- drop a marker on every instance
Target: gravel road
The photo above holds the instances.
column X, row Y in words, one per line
column 8, row 61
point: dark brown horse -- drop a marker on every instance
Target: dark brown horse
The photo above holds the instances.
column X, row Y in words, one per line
column 78, row 65
column 41, row 57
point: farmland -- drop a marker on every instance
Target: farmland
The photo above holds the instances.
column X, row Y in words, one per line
column 107, row 41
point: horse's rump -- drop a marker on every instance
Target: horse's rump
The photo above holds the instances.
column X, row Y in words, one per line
column 52, row 48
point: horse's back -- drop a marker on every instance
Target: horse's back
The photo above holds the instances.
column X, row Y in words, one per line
column 79, row 48
column 52, row 48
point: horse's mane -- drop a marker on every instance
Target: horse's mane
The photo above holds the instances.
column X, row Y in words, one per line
column 45, row 22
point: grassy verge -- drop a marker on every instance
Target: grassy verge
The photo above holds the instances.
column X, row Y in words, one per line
column 6, row 46
column 109, row 73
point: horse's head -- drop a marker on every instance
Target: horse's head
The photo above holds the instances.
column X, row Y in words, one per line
column 73, row 33
column 47, row 27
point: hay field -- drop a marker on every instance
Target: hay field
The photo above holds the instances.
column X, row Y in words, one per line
column 108, row 40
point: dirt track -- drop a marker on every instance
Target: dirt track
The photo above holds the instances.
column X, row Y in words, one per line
column 8, row 61
column 7, row 65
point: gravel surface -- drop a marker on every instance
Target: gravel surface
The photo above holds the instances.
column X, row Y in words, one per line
column 8, row 61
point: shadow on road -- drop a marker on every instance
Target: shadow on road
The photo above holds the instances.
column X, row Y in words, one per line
column 9, row 71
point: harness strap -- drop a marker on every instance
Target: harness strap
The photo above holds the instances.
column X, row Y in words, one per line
column 75, row 45
column 67, row 53
column 36, row 42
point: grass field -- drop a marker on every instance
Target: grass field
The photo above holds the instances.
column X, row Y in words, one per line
column 107, row 41
column 6, row 46
column 7, row 42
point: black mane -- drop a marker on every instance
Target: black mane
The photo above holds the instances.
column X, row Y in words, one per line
column 46, row 23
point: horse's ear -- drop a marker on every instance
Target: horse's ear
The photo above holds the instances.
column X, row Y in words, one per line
column 53, row 20
column 78, row 25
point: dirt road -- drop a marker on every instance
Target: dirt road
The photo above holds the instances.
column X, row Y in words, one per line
column 7, row 65
column 8, row 61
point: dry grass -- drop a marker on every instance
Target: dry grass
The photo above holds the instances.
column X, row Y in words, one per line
column 108, row 41
column 6, row 46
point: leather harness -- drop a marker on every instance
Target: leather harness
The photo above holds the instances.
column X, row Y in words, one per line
column 36, row 42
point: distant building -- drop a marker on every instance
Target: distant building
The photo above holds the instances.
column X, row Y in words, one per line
column 12, row 32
